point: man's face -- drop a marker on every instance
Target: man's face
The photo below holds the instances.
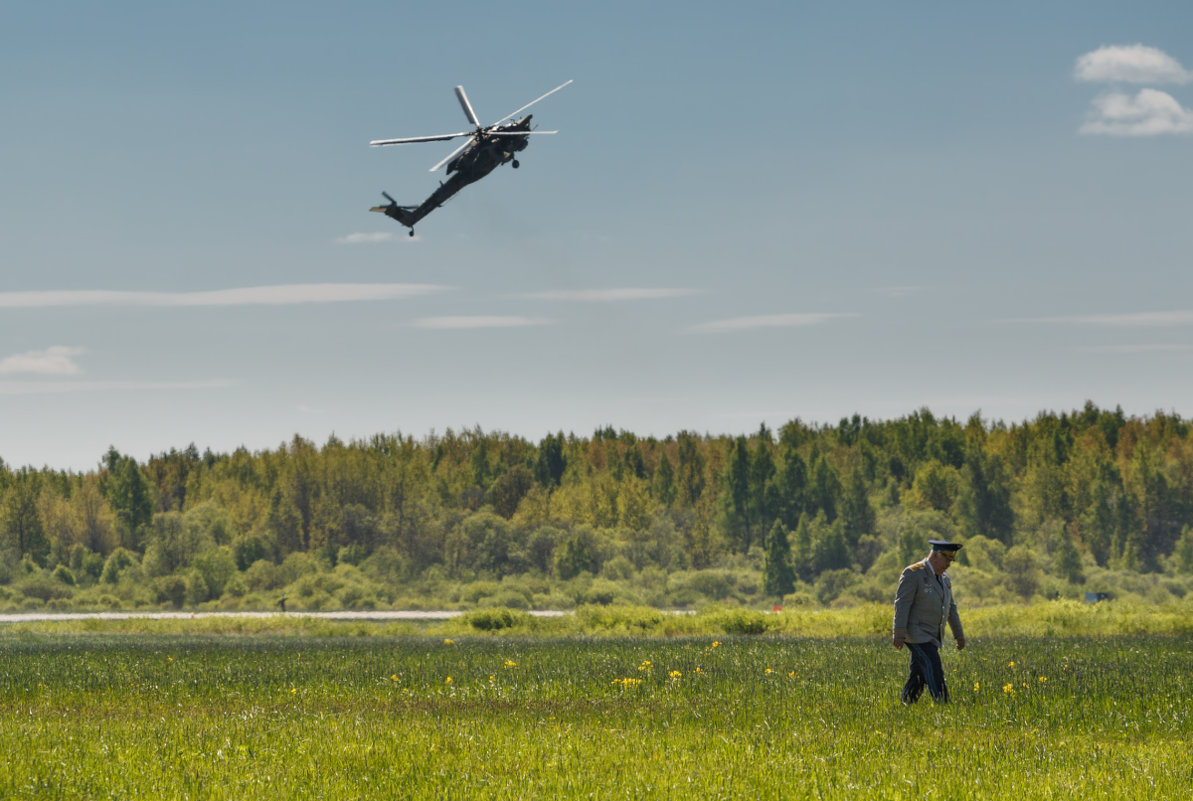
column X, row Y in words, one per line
column 942, row 559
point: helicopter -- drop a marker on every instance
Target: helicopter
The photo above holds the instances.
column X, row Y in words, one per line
column 487, row 148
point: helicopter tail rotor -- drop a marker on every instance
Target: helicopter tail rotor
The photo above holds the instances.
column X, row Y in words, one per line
column 403, row 214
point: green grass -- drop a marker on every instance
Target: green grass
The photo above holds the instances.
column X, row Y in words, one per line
column 203, row 716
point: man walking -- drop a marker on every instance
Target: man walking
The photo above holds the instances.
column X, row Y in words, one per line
column 923, row 602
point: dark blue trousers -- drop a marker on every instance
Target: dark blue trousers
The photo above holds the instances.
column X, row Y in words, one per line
column 925, row 672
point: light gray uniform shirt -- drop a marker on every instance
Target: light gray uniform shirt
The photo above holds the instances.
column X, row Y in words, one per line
column 923, row 602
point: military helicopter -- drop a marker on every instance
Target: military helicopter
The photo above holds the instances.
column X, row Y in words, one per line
column 487, row 148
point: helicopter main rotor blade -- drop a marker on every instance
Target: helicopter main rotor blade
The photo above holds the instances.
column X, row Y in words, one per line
column 528, row 105
column 409, row 139
column 464, row 104
column 519, row 133
column 454, row 153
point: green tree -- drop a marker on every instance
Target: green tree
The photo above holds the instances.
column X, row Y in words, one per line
column 858, row 517
column 790, row 486
column 690, row 469
column 130, row 498
column 1183, row 554
column 778, row 574
column 1022, row 575
column 550, row 463
column 574, row 557
column 23, row 527
column 984, row 498
column 1068, row 560
column 663, row 485
column 824, row 494
column 829, row 549
column 733, row 518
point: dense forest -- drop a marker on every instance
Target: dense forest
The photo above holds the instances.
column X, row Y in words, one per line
column 1067, row 503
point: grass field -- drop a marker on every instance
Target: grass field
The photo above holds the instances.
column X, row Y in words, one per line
column 171, row 716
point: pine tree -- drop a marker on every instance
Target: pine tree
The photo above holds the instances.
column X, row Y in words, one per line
column 778, row 574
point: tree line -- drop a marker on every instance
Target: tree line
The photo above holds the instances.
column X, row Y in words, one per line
column 809, row 505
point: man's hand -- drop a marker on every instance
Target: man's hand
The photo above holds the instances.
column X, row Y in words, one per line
column 960, row 642
column 898, row 643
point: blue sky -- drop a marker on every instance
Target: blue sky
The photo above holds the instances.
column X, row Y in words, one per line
column 752, row 212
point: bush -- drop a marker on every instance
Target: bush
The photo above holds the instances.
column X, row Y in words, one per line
column 473, row 592
column 44, row 589
column 507, row 597
column 713, row 584
column 619, row 619
column 63, row 575
column 170, row 589
column 494, row 619
column 119, row 562
column 831, row 583
column 248, row 550
column 736, row 621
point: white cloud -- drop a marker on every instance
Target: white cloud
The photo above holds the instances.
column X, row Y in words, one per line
column 365, row 239
column 62, row 387
column 478, row 321
column 1149, row 113
column 766, row 321
column 279, row 295
column 1128, row 320
column 611, row 295
column 54, row 360
column 1130, row 64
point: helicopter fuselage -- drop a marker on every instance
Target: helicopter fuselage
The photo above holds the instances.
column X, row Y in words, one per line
column 489, row 152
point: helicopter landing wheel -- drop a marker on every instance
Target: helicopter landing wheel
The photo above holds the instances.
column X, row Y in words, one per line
column 516, row 164
column 411, row 232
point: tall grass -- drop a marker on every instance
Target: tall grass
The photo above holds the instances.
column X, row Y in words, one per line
column 1051, row 618
column 474, row 716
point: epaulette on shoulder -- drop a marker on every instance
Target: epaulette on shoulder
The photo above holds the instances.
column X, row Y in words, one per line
column 916, row 566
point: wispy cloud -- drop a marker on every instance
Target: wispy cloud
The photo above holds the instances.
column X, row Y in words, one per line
column 1134, row 349
column 365, row 238
column 1148, row 113
column 766, row 321
column 1135, row 63
column 611, row 295
column 278, row 295
column 63, row 387
column 1128, row 320
column 478, row 321
column 54, row 360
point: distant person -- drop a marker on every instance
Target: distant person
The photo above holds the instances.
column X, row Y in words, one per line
column 923, row 602
column 282, row 604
